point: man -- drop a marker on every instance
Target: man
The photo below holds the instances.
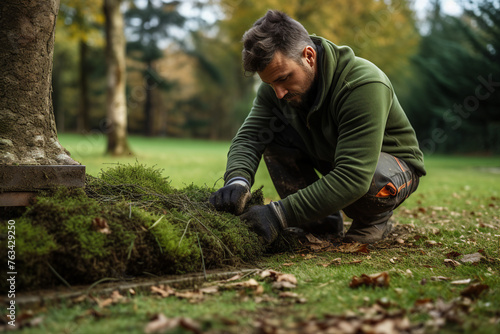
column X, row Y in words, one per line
column 319, row 109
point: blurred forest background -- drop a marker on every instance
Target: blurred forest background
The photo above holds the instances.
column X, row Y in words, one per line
column 184, row 75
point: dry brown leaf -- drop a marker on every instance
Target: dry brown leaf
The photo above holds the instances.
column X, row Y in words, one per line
column 192, row 296
column 423, row 301
column 288, row 264
column 210, row 289
column 100, row 225
column 161, row 324
column 374, row 280
column 312, row 239
column 452, row 255
column 272, row 274
column 283, row 285
column 473, row 291
column 234, row 278
column 287, row 278
column 309, row 256
column 354, row 247
column 451, row 263
column 116, row 296
column 336, row 262
column 164, row 291
column 250, row 284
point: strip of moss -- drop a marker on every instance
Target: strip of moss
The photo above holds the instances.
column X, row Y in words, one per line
column 127, row 222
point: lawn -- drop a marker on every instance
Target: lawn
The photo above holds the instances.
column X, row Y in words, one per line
column 427, row 286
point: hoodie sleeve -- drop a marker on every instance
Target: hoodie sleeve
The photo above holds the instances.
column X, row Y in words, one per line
column 361, row 117
column 253, row 136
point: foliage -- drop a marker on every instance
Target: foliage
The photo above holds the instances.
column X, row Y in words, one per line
column 458, row 65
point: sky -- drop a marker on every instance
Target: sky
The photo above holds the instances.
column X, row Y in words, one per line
column 450, row 7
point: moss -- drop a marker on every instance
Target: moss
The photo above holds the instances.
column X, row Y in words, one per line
column 153, row 228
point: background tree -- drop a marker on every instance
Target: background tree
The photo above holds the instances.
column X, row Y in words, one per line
column 83, row 20
column 116, row 104
column 27, row 128
column 457, row 93
column 148, row 28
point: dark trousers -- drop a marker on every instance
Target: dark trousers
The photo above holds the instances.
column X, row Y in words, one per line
column 291, row 168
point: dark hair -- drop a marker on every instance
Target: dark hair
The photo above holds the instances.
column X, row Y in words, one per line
column 273, row 32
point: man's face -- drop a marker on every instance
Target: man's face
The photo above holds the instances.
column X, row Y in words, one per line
column 290, row 80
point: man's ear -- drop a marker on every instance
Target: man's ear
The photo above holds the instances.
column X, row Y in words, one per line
column 309, row 55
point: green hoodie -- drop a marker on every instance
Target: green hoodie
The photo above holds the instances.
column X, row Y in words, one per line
column 355, row 117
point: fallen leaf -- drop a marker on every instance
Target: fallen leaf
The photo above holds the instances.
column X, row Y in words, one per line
column 471, row 258
column 288, row 264
column 164, row 291
column 288, row 294
column 374, row 280
column 283, row 285
column 309, row 256
column 281, row 280
column 100, row 225
column 312, row 239
column 464, row 281
column 440, row 278
column 273, row 274
column 453, row 255
column 473, row 291
column 251, row 284
column 423, row 301
column 192, row 296
column 210, row 289
column 161, row 324
column 354, row 247
column 451, row 263
column 287, row 278
column 234, row 278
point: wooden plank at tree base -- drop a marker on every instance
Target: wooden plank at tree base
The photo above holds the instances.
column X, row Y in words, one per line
column 19, row 183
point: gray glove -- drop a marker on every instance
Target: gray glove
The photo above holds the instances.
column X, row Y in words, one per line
column 266, row 220
column 232, row 197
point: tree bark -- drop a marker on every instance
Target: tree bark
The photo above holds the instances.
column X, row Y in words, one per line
column 28, row 132
column 115, row 60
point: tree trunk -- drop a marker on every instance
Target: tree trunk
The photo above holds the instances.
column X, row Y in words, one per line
column 115, row 60
column 148, row 105
column 28, row 132
column 83, row 125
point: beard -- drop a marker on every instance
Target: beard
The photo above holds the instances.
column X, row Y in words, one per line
column 306, row 99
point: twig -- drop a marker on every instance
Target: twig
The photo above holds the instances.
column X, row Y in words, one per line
column 105, row 279
column 183, row 234
column 156, row 222
column 202, row 259
column 59, row 276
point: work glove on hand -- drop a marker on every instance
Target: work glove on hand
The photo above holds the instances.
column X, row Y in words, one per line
column 266, row 220
column 232, row 197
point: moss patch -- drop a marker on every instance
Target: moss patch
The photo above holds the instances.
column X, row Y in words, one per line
column 127, row 222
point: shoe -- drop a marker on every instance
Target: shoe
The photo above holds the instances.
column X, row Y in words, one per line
column 332, row 224
column 368, row 234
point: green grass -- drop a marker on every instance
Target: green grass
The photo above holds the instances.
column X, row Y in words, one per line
column 456, row 206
